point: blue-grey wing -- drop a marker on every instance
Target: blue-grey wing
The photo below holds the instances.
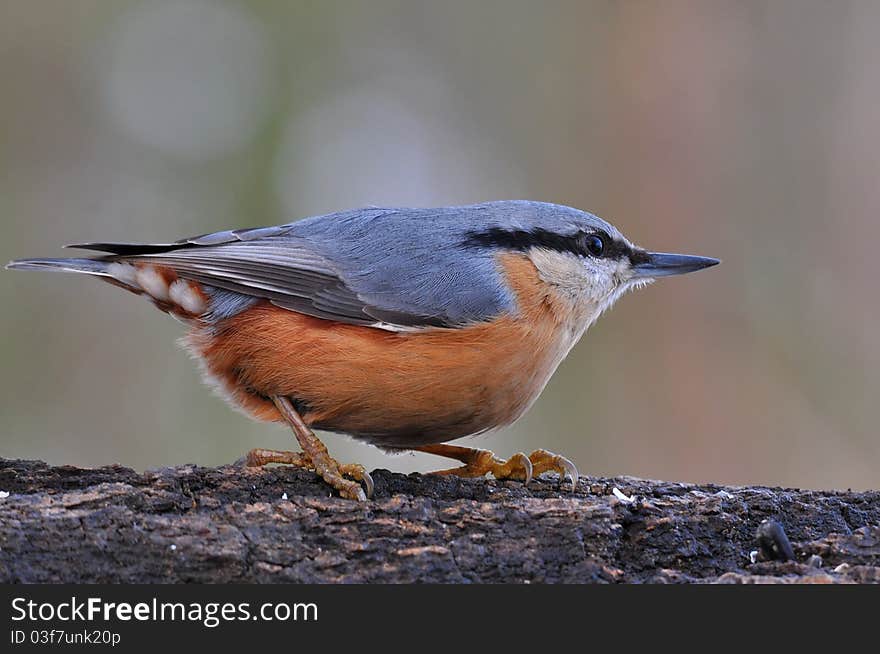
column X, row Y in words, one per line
column 379, row 267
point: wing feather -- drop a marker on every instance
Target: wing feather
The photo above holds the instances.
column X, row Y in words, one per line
column 288, row 273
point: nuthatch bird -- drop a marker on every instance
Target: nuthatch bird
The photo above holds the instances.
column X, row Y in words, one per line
column 404, row 328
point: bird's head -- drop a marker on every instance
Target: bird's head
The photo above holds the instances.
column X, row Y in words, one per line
column 581, row 255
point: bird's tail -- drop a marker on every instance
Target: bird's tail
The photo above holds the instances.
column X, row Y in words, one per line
column 85, row 266
column 185, row 299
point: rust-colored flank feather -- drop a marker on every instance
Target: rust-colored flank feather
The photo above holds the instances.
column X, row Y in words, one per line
column 395, row 389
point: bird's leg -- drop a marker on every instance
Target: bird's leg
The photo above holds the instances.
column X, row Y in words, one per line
column 313, row 457
column 519, row 466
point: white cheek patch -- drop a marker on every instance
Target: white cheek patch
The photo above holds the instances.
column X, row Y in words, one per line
column 152, row 282
column 592, row 285
column 184, row 295
column 583, row 280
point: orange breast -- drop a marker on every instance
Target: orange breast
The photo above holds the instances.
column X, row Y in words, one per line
column 394, row 389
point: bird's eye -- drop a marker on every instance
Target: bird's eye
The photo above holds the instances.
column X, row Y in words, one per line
column 595, row 245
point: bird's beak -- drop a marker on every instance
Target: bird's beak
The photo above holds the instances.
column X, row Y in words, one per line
column 661, row 264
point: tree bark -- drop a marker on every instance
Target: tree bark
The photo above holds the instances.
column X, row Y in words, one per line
column 230, row 524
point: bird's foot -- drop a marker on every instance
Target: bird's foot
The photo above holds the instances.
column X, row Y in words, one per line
column 544, row 461
column 330, row 470
column 319, row 459
column 478, row 463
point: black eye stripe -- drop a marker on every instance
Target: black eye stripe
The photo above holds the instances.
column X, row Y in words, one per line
column 522, row 240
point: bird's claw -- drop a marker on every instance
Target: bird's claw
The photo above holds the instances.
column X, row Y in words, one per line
column 520, row 460
column 544, row 461
column 357, row 471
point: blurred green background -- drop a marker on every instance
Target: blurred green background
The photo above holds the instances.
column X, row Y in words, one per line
column 742, row 130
